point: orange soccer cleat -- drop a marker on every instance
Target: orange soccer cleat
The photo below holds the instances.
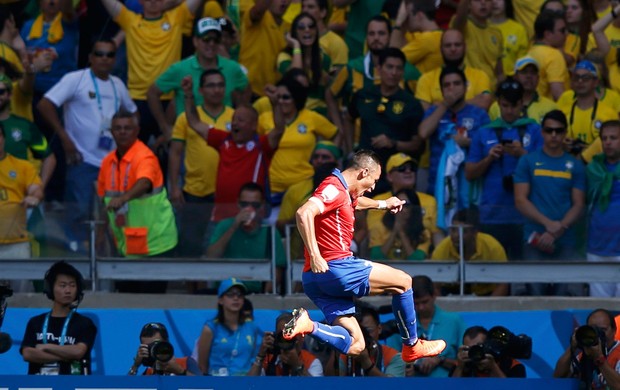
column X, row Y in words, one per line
column 422, row 349
column 300, row 324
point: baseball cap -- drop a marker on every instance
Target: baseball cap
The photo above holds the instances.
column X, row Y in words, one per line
column 205, row 25
column 227, row 26
column 510, row 90
column 228, row 284
column 587, row 66
column 398, row 159
column 330, row 147
column 522, row 62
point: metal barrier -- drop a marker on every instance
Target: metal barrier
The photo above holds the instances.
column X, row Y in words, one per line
column 195, row 269
column 96, row 268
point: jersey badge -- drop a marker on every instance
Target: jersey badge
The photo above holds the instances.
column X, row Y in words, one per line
column 16, row 134
column 398, row 107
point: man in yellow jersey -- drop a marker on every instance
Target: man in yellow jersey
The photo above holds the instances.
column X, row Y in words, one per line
column 424, row 49
column 20, row 188
column 479, row 87
column 153, row 41
column 194, row 200
column 534, row 105
column 262, row 39
column 485, row 42
column 550, row 30
column 585, row 112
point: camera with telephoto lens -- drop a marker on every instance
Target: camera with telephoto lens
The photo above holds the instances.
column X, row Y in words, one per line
column 501, row 343
column 159, row 351
column 590, row 336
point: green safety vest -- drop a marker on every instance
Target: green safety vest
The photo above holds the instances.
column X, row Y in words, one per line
column 149, row 227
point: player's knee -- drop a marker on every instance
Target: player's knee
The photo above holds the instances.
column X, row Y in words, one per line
column 404, row 279
column 357, row 346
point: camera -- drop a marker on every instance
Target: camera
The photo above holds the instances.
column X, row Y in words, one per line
column 501, row 343
column 159, row 351
column 589, row 336
column 577, row 146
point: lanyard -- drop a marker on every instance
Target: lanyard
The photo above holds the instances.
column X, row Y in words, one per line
column 98, row 95
column 63, row 334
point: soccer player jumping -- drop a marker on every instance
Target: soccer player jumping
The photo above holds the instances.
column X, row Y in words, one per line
column 333, row 276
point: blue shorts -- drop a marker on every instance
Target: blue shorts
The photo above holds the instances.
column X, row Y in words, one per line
column 333, row 291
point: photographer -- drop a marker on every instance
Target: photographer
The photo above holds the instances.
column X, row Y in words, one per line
column 280, row 357
column 376, row 359
column 592, row 355
column 484, row 356
column 157, row 354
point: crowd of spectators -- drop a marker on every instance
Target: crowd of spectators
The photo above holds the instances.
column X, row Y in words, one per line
column 200, row 120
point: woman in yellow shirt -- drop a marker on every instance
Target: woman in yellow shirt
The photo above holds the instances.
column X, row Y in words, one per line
column 303, row 129
column 516, row 42
column 304, row 52
column 579, row 18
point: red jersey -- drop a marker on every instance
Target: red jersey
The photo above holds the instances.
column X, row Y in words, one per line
column 239, row 164
column 333, row 228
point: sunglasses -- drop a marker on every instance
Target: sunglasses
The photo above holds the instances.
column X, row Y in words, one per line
column 509, row 85
column 303, row 26
column 404, row 168
column 583, row 77
column 284, row 97
column 557, row 130
column 109, row 54
column 211, row 39
column 3, row 91
column 254, row 205
column 233, row 294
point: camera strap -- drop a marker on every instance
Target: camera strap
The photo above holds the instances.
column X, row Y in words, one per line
column 572, row 114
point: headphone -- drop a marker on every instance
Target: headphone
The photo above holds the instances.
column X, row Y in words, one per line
column 62, row 268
